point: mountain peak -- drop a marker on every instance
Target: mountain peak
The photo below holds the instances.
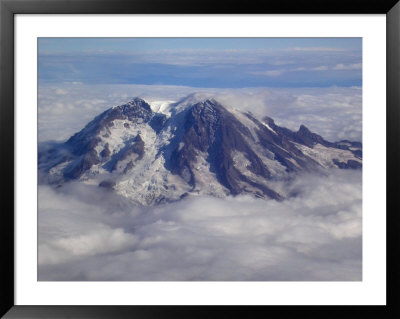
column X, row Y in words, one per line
column 133, row 110
column 207, row 104
column 136, row 103
column 201, row 148
column 269, row 121
column 306, row 137
column 191, row 100
column 303, row 129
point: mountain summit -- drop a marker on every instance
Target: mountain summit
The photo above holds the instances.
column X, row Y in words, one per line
column 202, row 148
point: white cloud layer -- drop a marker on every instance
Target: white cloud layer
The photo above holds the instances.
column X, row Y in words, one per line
column 87, row 233
column 335, row 113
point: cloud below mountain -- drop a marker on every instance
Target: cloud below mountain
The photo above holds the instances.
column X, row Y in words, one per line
column 87, row 233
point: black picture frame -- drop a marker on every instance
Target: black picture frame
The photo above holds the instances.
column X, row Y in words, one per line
column 8, row 8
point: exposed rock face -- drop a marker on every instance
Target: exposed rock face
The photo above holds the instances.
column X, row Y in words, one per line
column 157, row 122
column 201, row 148
column 211, row 129
column 350, row 164
column 107, row 184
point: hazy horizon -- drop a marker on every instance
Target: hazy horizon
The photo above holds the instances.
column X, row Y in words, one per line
column 203, row 62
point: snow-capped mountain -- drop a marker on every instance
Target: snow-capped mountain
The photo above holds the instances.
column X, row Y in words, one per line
column 193, row 147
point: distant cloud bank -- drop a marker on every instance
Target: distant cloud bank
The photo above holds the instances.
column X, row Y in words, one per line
column 201, row 63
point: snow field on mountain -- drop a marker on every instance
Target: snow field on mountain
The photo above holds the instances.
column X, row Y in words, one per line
column 206, row 181
column 325, row 155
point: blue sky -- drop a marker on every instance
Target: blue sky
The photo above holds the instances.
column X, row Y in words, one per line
column 203, row 62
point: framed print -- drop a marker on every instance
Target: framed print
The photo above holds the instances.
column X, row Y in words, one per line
column 161, row 154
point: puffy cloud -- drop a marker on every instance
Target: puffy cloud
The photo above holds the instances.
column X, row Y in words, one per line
column 87, row 233
column 334, row 113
